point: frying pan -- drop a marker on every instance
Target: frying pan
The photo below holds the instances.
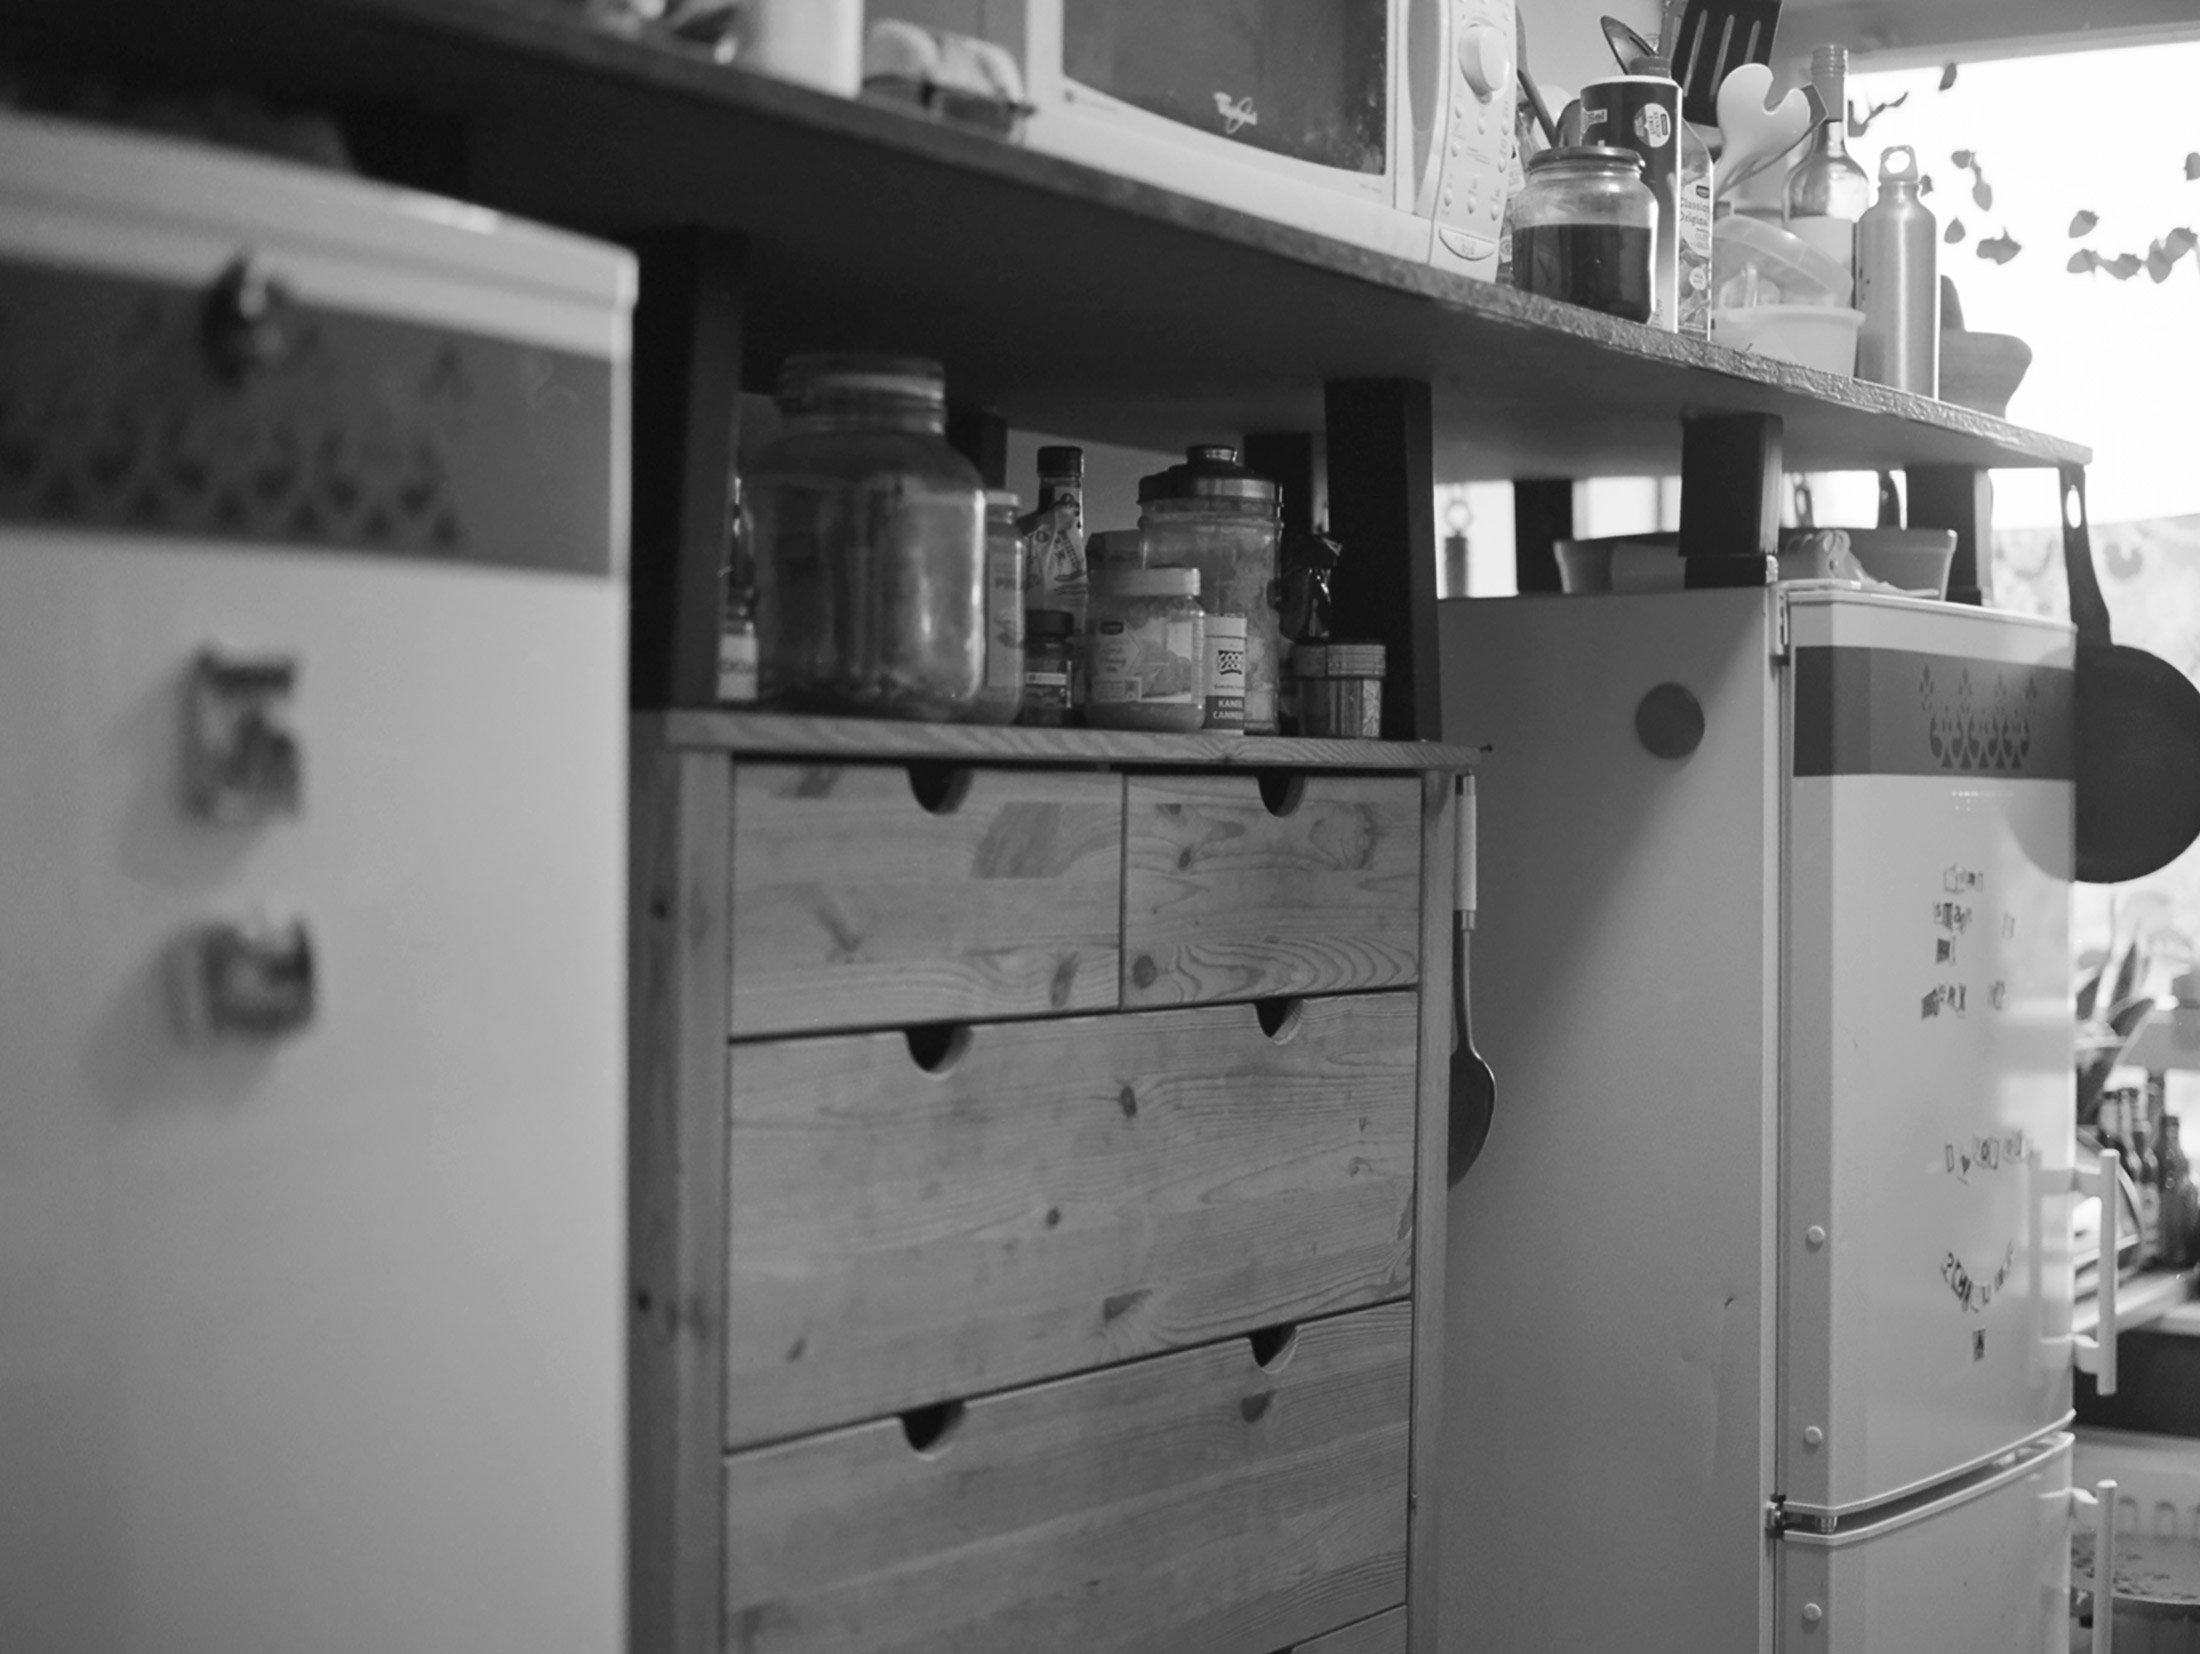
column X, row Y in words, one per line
column 2138, row 731
column 1473, row 1086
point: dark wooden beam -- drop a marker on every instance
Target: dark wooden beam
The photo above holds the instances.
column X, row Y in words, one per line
column 687, row 379
column 1960, row 497
column 1293, row 460
column 981, row 436
column 1731, row 473
column 1543, row 515
column 1382, row 509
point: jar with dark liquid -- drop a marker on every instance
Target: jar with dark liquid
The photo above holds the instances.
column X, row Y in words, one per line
column 1585, row 230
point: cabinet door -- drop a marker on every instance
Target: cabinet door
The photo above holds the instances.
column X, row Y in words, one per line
column 313, row 1336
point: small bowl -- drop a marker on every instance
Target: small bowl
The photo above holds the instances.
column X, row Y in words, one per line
column 1912, row 558
column 1821, row 336
column 1982, row 371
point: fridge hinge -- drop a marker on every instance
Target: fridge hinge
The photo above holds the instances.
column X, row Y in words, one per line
column 1779, row 628
column 1776, row 1517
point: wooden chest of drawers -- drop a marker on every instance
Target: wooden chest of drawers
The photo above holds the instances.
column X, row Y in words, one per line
column 1035, row 1134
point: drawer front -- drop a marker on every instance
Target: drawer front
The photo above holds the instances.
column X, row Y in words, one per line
column 1384, row 1634
column 1195, row 1502
column 1052, row 1196
column 1226, row 897
column 857, row 903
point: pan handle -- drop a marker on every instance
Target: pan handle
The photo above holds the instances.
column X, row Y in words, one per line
column 2087, row 607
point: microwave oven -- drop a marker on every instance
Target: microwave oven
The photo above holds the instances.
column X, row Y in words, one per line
column 1387, row 123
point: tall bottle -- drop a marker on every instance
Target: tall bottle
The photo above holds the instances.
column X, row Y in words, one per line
column 2180, row 1200
column 1826, row 191
column 1055, row 575
column 2146, row 1173
column 1898, row 282
column 737, row 615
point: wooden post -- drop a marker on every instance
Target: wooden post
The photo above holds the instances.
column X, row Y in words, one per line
column 1960, row 497
column 1543, row 515
column 687, row 412
column 1731, row 467
column 981, row 436
column 1382, row 508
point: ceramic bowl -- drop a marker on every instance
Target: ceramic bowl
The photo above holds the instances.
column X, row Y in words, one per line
column 1982, row 371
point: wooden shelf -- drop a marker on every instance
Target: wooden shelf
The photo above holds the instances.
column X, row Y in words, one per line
column 783, row 735
column 1064, row 298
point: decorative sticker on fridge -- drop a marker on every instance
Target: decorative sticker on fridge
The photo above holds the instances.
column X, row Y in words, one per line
column 1865, row 711
column 1987, row 1154
column 1974, row 1290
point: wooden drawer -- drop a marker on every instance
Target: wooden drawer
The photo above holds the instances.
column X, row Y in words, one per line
column 856, row 903
column 1230, row 892
column 1193, row 1502
column 1383, row 1634
column 1055, row 1195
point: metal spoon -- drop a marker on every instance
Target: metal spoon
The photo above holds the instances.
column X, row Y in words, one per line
column 1473, row 1086
column 1625, row 43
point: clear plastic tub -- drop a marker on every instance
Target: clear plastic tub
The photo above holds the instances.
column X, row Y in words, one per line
column 1755, row 263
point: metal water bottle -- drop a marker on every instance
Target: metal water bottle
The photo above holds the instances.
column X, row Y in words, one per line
column 1898, row 282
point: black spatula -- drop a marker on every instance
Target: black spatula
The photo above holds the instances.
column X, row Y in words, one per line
column 1716, row 38
column 1473, row 1086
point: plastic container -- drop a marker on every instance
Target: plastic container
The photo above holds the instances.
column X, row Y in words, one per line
column 1212, row 514
column 1001, row 696
column 1225, row 686
column 1821, row 336
column 1585, row 231
column 1146, row 651
column 870, row 545
column 1050, row 638
column 1340, row 689
column 1755, row 263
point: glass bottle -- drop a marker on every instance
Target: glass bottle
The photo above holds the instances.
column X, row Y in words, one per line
column 1056, row 574
column 737, row 622
column 2180, row 1200
column 1827, row 192
column 870, row 545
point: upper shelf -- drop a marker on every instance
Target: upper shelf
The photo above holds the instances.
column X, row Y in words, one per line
column 1064, row 298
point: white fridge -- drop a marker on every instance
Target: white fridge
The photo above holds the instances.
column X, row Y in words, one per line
column 1760, row 1293
column 312, row 892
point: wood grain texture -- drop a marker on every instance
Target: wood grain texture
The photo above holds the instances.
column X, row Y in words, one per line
column 676, row 1202
column 1431, row 1204
column 856, row 906
column 790, row 735
column 1061, row 1194
column 1224, row 900
column 1193, row 1503
column 856, row 211
column 1383, row 1633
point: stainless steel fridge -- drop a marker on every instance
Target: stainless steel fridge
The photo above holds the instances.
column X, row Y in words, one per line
column 1760, row 1293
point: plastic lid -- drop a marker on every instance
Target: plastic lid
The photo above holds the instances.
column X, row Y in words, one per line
column 1226, row 625
column 1049, row 623
column 804, row 378
column 1800, row 272
column 1209, row 472
column 1114, row 548
column 1002, row 499
column 1602, row 155
column 1339, row 660
column 1157, row 582
column 1652, row 67
column 1064, row 461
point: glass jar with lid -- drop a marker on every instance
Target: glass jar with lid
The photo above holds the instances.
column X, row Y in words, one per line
column 1214, row 515
column 870, row 545
column 1585, row 230
column 1146, row 651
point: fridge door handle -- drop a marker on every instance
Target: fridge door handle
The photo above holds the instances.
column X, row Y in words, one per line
column 2097, row 1355
column 2102, row 1503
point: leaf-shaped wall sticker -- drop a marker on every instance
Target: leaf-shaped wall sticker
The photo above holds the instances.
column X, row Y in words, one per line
column 2179, row 242
column 1924, row 184
column 2083, row 262
column 1947, row 76
column 2083, row 224
column 2192, row 166
column 2124, row 266
column 1983, row 193
column 1955, row 232
column 2000, row 248
column 2159, row 264
column 1962, row 158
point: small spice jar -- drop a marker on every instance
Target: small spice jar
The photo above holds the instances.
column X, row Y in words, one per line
column 1585, row 230
column 1146, row 651
column 1049, row 640
column 1225, row 675
column 1340, row 689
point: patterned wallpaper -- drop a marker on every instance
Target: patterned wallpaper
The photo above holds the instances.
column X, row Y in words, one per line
column 2150, row 574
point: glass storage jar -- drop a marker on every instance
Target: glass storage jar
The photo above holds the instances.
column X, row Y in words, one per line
column 1585, row 230
column 1146, row 651
column 870, row 545
column 1213, row 515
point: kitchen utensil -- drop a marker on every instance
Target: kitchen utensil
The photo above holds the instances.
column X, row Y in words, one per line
column 1528, row 87
column 1754, row 131
column 1473, row 1086
column 2138, row 730
column 1626, row 44
column 1898, row 282
column 1716, row 38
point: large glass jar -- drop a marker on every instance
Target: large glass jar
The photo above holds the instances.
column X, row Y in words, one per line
column 1585, row 230
column 1213, row 515
column 870, row 545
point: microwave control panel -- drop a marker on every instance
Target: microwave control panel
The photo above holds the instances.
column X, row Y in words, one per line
column 1482, row 84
